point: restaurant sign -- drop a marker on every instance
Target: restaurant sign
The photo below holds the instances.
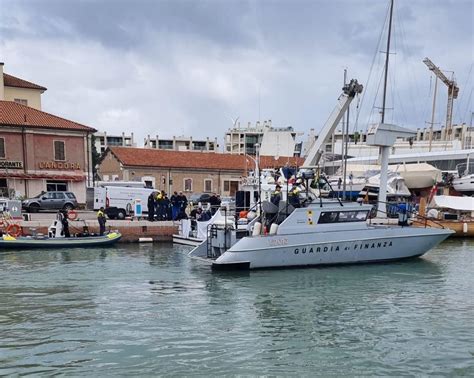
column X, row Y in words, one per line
column 11, row 164
column 58, row 165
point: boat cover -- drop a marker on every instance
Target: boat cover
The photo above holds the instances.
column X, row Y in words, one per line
column 455, row 203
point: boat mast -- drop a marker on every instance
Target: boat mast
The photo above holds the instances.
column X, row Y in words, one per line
column 387, row 55
column 384, row 151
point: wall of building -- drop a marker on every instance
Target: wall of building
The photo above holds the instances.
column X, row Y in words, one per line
column 33, row 96
column 40, row 159
column 44, row 151
column 172, row 179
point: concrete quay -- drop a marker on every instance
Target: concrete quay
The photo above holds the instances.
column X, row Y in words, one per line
column 131, row 230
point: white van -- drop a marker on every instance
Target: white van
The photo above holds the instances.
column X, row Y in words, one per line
column 118, row 202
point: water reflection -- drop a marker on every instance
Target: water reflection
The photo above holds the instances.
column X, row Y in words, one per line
column 149, row 310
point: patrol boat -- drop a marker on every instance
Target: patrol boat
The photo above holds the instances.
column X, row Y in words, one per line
column 320, row 234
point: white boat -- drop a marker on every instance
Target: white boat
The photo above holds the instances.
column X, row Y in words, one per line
column 415, row 175
column 464, row 183
column 195, row 235
column 396, row 187
column 324, row 233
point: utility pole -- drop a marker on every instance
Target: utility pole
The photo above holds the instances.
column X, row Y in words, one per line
column 433, row 111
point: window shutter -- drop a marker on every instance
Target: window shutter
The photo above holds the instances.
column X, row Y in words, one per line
column 2, row 147
column 59, row 152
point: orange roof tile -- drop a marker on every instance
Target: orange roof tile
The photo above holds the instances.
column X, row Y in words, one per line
column 147, row 157
column 14, row 114
column 13, row 81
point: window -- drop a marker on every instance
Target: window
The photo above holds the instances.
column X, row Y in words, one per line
column 208, row 185
column 21, row 101
column 70, row 195
column 226, row 186
column 59, row 150
column 343, row 216
column 58, row 196
column 2, row 148
column 56, row 186
column 3, row 188
column 188, row 185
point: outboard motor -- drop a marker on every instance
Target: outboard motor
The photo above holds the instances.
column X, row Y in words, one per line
column 56, row 228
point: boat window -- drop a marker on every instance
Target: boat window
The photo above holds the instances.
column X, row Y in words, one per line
column 328, row 217
column 343, row 216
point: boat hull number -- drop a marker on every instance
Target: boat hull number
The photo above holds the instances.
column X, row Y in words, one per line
column 278, row 242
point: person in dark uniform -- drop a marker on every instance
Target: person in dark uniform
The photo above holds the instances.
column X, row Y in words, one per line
column 276, row 195
column 151, row 207
column 294, row 197
column 102, row 220
column 214, row 202
column 65, row 223
column 183, row 203
column 174, row 206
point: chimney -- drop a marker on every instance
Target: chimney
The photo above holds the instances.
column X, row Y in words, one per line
column 2, row 86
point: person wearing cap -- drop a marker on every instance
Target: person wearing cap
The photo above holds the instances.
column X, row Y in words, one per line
column 276, row 195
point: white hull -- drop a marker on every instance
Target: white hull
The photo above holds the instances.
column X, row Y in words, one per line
column 305, row 250
column 179, row 239
column 464, row 184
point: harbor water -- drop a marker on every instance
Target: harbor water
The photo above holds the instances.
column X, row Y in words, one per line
column 149, row 309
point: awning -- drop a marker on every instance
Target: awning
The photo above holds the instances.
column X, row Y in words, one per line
column 455, row 203
column 42, row 176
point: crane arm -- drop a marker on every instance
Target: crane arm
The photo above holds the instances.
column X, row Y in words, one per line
column 451, row 84
column 349, row 92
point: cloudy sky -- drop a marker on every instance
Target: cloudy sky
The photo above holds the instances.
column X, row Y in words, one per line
column 191, row 67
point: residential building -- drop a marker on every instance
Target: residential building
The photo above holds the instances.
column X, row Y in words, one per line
column 280, row 141
column 462, row 137
column 182, row 143
column 190, row 172
column 42, row 152
column 102, row 140
column 21, row 91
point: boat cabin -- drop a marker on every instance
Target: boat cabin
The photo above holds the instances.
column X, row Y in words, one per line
column 328, row 217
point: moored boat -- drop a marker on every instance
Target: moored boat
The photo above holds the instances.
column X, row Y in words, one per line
column 325, row 233
column 26, row 242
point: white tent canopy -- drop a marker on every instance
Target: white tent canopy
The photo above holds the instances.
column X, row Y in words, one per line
column 455, row 203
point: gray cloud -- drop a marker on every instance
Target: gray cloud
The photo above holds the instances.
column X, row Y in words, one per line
column 174, row 67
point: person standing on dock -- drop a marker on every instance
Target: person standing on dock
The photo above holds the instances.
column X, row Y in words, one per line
column 183, row 203
column 174, row 206
column 102, row 220
column 151, row 207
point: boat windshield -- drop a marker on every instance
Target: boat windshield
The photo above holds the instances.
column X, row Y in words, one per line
column 343, row 216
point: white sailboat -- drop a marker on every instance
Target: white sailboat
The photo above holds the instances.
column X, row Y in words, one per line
column 464, row 183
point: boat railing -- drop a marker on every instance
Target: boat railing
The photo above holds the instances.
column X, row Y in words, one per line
column 410, row 213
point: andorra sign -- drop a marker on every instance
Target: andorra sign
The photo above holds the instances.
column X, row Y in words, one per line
column 58, row 165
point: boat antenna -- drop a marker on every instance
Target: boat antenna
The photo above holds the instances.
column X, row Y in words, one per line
column 387, row 55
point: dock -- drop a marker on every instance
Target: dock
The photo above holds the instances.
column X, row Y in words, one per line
column 132, row 230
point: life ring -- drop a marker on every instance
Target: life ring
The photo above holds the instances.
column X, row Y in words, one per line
column 14, row 230
column 72, row 215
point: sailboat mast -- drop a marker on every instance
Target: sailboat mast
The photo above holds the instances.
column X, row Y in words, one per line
column 387, row 55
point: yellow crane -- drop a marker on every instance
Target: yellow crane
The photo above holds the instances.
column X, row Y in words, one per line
column 453, row 91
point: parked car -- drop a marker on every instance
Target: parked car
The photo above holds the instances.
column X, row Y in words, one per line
column 50, row 201
column 199, row 197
